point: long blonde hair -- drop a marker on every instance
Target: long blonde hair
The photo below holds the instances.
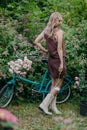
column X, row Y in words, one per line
column 49, row 30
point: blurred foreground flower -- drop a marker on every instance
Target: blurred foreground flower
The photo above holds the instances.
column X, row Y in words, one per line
column 7, row 120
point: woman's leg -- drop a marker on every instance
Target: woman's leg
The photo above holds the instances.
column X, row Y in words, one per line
column 56, row 85
column 54, row 90
column 44, row 106
column 49, row 99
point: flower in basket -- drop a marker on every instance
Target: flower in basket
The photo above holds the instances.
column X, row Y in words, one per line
column 20, row 66
column 8, row 121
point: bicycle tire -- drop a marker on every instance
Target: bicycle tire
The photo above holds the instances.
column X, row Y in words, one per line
column 6, row 95
column 63, row 96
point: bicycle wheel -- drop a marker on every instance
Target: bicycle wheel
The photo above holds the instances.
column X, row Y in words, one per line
column 64, row 93
column 63, row 96
column 6, row 95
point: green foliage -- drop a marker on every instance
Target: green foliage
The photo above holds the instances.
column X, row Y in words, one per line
column 75, row 40
column 76, row 52
column 7, row 33
column 21, row 21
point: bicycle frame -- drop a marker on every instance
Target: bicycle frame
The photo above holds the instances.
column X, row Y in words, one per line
column 38, row 87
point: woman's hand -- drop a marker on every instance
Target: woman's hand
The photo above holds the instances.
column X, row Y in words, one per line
column 61, row 68
column 45, row 50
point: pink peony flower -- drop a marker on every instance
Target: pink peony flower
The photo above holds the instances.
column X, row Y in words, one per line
column 76, row 78
column 77, row 83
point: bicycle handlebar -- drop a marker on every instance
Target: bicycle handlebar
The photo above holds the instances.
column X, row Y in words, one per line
column 18, row 56
column 28, row 55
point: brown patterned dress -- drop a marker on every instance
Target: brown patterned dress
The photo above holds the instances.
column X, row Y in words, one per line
column 54, row 60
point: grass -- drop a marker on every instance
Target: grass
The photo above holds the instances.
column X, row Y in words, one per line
column 30, row 117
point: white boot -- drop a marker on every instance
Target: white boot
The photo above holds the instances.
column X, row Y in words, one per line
column 53, row 106
column 45, row 104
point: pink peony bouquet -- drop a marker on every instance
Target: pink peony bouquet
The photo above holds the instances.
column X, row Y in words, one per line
column 7, row 120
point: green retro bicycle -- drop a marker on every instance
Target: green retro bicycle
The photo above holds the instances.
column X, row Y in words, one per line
column 7, row 92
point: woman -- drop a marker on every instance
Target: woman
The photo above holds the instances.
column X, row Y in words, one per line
column 56, row 61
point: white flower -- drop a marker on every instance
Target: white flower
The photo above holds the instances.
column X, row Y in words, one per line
column 17, row 72
column 19, row 61
column 11, row 71
column 12, row 67
column 17, row 65
column 11, row 63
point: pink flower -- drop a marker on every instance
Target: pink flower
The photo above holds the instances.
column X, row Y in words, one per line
column 5, row 115
column 76, row 78
column 76, row 84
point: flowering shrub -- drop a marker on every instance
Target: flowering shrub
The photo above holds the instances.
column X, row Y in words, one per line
column 7, row 120
column 75, row 43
